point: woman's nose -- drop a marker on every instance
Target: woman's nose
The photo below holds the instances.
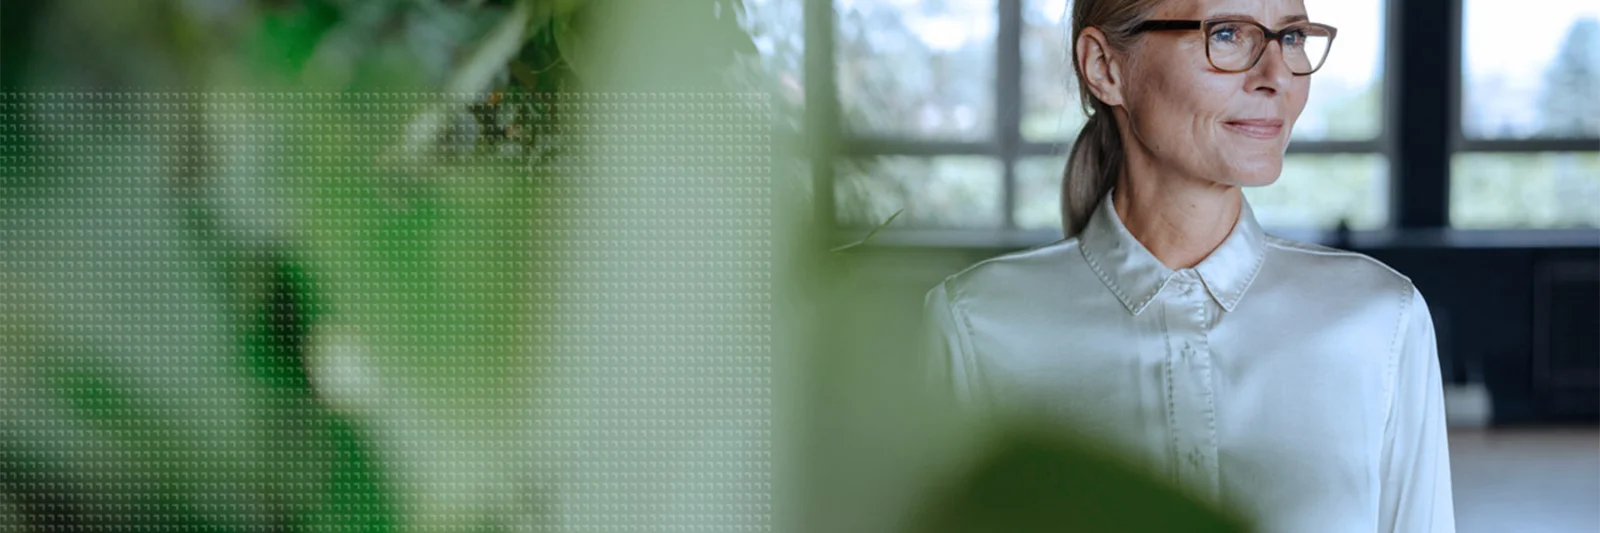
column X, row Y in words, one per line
column 1271, row 73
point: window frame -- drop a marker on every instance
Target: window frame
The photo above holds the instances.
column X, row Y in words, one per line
column 1459, row 143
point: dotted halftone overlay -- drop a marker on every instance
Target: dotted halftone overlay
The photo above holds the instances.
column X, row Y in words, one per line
column 386, row 312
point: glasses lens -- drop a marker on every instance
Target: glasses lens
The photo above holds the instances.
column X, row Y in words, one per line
column 1305, row 47
column 1233, row 45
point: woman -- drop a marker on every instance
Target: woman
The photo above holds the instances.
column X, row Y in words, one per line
column 1296, row 384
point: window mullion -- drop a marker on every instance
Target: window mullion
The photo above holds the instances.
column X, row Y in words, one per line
column 821, row 106
column 1421, row 175
column 1008, row 103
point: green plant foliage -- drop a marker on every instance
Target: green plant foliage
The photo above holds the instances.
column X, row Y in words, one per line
column 188, row 344
column 1030, row 480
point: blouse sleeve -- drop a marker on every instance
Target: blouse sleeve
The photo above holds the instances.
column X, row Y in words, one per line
column 1416, row 496
column 945, row 350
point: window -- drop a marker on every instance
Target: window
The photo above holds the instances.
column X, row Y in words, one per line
column 778, row 35
column 960, row 113
column 909, row 69
column 1528, row 152
column 922, row 86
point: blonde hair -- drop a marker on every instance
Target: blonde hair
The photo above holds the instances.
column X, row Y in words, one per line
column 1097, row 156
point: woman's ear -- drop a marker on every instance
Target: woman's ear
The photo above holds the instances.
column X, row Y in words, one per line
column 1100, row 71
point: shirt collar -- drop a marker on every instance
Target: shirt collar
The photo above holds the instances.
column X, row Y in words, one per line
column 1135, row 276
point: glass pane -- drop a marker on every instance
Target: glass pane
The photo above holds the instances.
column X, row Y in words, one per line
column 1050, row 107
column 1317, row 191
column 1346, row 101
column 1314, row 192
column 916, row 69
column 778, row 30
column 1540, row 190
column 1039, row 192
column 1530, row 72
column 936, row 192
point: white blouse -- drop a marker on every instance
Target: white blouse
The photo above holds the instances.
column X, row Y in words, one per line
column 1295, row 384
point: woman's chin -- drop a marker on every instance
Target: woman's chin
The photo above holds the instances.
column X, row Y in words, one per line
column 1254, row 175
column 1260, row 181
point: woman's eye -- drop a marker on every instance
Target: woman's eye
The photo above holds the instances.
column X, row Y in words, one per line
column 1294, row 38
column 1225, row 34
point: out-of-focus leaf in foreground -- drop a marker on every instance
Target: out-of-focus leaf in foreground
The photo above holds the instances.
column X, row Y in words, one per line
column 1031, row 480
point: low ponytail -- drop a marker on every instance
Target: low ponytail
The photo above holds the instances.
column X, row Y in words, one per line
column 1092, row 168
column 1097, row 157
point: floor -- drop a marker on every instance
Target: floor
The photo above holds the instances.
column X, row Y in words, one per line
column 1526, row 481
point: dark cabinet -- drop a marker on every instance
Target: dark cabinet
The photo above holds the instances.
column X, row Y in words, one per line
column 1524, row 322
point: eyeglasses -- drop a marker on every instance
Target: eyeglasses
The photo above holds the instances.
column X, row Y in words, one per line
column 1236, row 45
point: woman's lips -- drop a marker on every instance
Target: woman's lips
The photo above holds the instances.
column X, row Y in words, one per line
column 1257, row 128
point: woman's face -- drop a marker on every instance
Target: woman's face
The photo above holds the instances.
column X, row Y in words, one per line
column 1226, row 127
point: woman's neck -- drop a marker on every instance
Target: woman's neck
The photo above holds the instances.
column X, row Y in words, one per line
column 1180, row 221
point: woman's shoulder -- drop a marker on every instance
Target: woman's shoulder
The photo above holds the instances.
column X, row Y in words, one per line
column 1012, row 271
column 1334, row 268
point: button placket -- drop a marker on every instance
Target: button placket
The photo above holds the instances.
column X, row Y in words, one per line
column 1192, row 405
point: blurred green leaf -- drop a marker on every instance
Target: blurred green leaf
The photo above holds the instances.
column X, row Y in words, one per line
column 492, row 51
column 567, row 45
column 524, row 75
column 288, row 36
column 689, row 44
column 566, row 7
column 1029, row 480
